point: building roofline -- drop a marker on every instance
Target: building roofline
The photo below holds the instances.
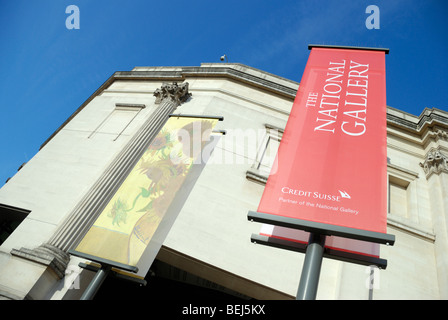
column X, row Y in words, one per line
column 254, row 77
column 238, row 72
column 417, row 124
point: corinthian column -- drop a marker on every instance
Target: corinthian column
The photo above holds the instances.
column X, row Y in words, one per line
column 435, row 166
column 168, row 98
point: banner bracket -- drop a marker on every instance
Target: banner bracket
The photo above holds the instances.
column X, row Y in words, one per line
column 310, row 46
column 180, row 115
column 315, row 249
column 329, row 253
column 114, row 273
column 102, row 272
column 322, row 228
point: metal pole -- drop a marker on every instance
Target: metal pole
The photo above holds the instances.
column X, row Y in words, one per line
column 309, row 279
column 96, row 283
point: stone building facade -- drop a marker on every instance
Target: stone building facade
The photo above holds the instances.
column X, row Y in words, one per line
column 46, row 207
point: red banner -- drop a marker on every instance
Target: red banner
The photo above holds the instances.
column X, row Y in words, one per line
column 331, row 163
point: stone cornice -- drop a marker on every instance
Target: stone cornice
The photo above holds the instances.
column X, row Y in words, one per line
column 257, row 78
column 266, row 81
column 260, row 79
column 417, row 124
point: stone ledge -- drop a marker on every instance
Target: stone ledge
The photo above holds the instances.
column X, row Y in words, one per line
column 411, row 228
column 47, row 255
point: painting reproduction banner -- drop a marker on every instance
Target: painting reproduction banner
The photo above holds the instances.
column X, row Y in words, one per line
column 133, row 225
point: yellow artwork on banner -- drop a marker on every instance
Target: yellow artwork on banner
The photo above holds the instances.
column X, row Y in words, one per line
column 124, row 228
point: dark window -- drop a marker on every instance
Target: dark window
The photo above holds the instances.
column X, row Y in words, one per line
column 10, row 218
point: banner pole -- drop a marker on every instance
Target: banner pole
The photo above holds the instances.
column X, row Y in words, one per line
column 96, row 283
column 309, row 279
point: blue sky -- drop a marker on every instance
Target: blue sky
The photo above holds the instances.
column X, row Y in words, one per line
column 48, row 71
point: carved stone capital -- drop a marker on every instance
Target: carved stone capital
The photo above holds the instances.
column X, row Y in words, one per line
column 435, row 162
column 173, row 92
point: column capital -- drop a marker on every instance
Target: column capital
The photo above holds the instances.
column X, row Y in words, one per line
column 435, row 162
column 173, row 92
